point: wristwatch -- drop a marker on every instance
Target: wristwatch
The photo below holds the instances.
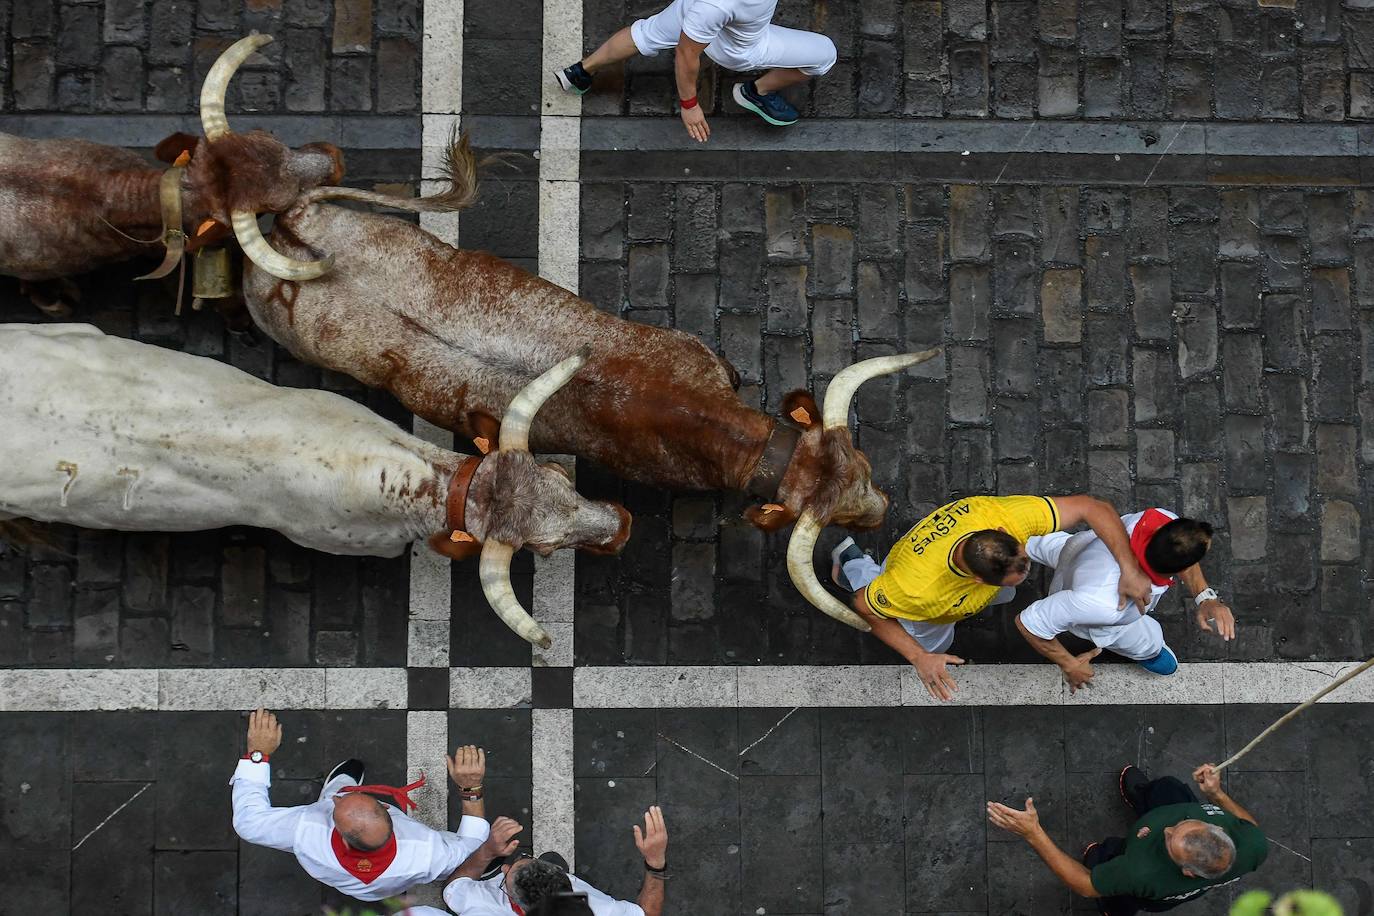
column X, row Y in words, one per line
column 1207, row 594
column 256, row 757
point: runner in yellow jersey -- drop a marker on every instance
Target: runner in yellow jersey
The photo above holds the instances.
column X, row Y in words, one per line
column 962, row 558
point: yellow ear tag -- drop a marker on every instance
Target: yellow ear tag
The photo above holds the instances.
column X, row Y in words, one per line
column 184, row 158
column 483, row 444
column 773, row 507
column 462, row 537
column 801, row 416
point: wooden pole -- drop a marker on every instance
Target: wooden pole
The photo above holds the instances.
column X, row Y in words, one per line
column 1293, row 712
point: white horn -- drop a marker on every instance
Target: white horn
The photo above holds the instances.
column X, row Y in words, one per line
column 494, row 572
column 835, row 413
column 216, row 84
column 801, row 567
column 515, row 425
column 269, row 259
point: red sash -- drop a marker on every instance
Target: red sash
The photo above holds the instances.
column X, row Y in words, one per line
column 399, row 795
column 365, row 866
column 1149, row 523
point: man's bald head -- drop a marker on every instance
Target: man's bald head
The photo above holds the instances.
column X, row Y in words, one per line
column 363, row 822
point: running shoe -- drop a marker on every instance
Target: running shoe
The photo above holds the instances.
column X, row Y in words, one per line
column 1163, row 663
column 1132, row 783
column 574, row 79
column 844, row 551
column 771, row 106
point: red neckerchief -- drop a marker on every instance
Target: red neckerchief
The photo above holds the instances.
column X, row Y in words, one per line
column 516, row 907
column 401, row 795
column 365, row 866
column 1149, row 523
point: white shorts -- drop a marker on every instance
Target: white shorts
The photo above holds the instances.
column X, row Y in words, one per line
column 810, row 52
column 1140, row 640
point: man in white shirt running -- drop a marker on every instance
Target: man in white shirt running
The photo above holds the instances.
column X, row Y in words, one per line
column 349, row 839
column 1083, row 599
column 737, row 34
column 525, row 882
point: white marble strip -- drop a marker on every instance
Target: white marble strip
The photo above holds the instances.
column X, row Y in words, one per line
column 488, row 688
column 426, row 745
column 551, row 762
column 769, row 686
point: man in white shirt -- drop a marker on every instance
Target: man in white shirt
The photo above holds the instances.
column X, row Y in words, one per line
column 737, row 34
column 350, row 840
column 525, row 882
column 1083, row 599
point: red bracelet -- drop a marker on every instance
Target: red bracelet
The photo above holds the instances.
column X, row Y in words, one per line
column 689, row 103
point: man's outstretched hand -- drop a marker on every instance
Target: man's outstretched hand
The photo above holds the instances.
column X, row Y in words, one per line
column 653, row 839
column 264, row 732
column 936, row 677
column 1080, row 673
column 1213, row 611
column 467, row 766
column 1012, row 820
column 695, row 121
column 501, row 841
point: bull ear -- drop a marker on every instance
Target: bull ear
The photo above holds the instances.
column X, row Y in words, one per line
column 486, row 430
column 800, row 407
column 175, row 145
column 770, row 516
column 455, row 550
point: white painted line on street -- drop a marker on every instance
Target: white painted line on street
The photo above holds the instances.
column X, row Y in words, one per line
column 96, row 829
column 645, row 687
column 551, row 764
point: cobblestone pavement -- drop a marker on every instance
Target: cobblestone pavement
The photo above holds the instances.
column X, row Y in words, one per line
column 1184, row 321
column 884, row 805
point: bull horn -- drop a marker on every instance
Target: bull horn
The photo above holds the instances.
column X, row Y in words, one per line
column 216, row 84
column 494, row 572
column 515, row 425
column 802, row 568
column 835, row 414
column 262, row 254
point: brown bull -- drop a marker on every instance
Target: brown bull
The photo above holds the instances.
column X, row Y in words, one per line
column 454, row 334
column 69, row 206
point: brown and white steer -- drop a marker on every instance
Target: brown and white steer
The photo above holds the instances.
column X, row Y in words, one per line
column 69, row 206
column 104, row 432
column 454, row 334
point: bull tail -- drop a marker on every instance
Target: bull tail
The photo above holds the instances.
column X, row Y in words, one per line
column 459, row 170
column 24, row 534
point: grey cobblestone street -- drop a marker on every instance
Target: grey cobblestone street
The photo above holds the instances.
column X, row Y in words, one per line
column 1140, row 230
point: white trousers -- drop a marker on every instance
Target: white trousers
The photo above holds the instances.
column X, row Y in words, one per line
column 810, row 52
column 933, row 637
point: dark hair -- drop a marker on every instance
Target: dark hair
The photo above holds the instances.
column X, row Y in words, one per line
column 992, row 555
column 355, row 841
column 1178, row 545
column 537, row 880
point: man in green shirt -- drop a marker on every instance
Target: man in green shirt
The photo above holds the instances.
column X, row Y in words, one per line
column 1177, row 850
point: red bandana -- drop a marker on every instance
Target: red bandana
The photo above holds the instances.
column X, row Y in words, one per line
column 516, row 907
column 365, row 866
column 1149, row 523
column 401, row 796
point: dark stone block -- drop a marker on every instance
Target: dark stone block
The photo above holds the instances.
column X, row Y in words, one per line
column 78, row 37
column 1147, row 78
column 1237, row 81
column 200, row 749
column 101, row 876
column 1059, row 225
column 878, row 77
column 1242, row 356
column 195, row 882
column 968, row 78
column 1190, row 96
column 50, row 598
column 1292, row 488
column 1245, row 454
column 781, row 848
column 1014, row 351
column 1106, row 342
column 95, row 636
column 34, row 781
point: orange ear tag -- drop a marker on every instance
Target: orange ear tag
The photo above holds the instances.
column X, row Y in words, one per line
column 483, row 444
column 184, row 158
column 206, row 226
column 772, row 507
column 801, row 415
column 462, row 537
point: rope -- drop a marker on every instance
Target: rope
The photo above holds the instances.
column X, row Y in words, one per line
column 1293, row 712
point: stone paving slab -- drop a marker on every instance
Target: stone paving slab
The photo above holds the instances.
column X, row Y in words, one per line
column 1149, row 345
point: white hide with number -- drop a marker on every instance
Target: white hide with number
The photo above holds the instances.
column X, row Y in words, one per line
column 104, row 432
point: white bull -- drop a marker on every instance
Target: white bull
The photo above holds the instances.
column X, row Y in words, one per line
column 103, row 432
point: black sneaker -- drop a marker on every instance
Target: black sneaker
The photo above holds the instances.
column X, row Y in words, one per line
column 1132, row 783
column 772, row 107
column 554, row 858
column 350, row 767
column 574, row 79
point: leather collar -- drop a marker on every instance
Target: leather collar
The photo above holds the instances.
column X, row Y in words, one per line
column 777, row 455
column 458, row 493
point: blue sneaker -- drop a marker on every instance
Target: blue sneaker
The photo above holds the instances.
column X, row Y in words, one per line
column 1163, row 663
column 772, row 107
column 574, row 79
